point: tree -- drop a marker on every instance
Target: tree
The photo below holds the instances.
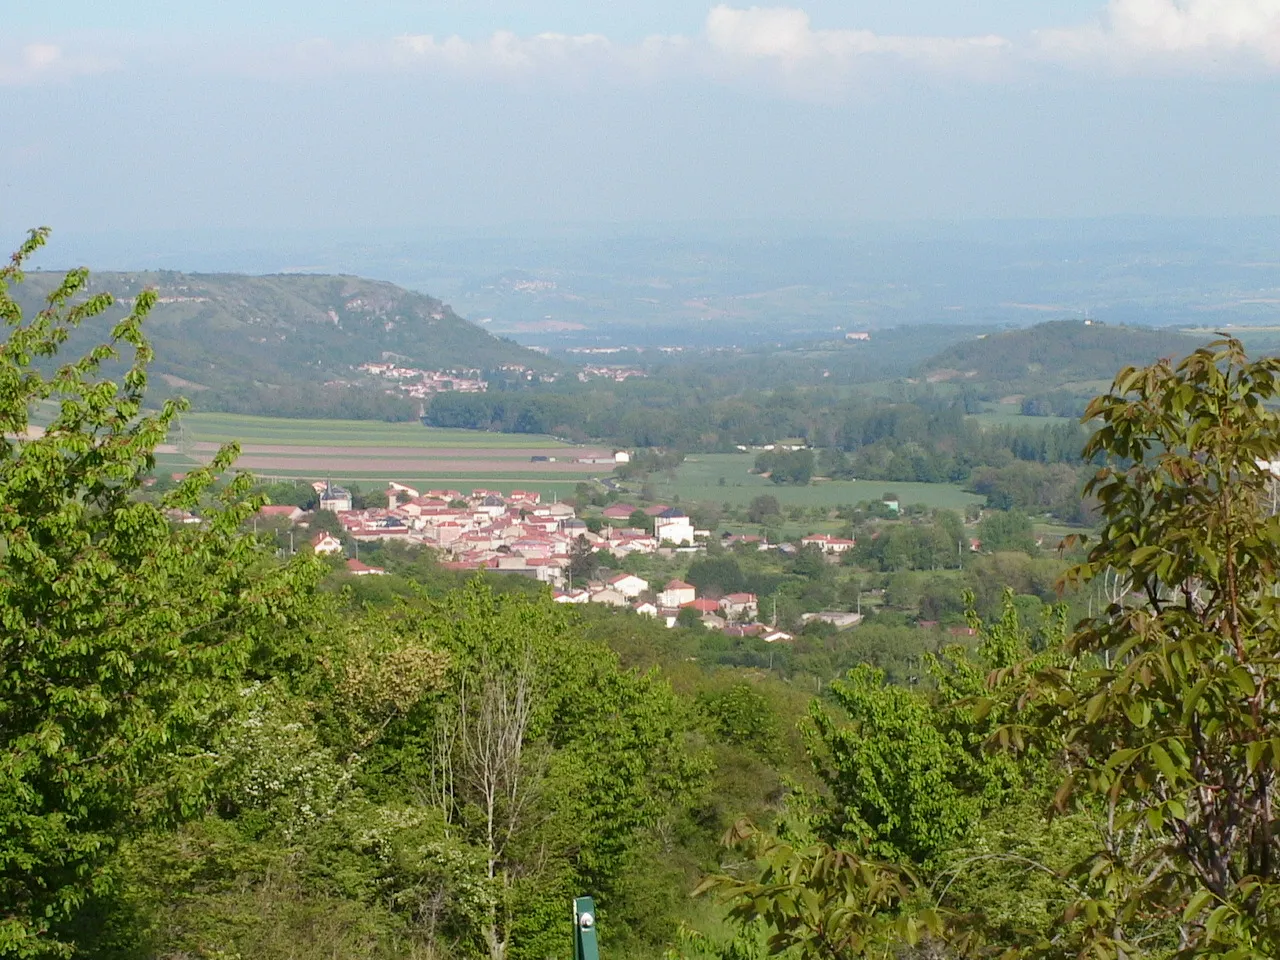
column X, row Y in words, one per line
column 786, row 466
column 1170, row 717
column 888, row 856
column 718, row 575
column 122, row 640
column 1159, row 709
column 907, row 773
column 743, row 717
column 583, row 561
column 546, row 758
column 763, row 507
column 325, row 521
column 689, row 618
column 1006, row 530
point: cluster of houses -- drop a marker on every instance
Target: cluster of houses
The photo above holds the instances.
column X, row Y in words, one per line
column 486, row 529
column 517, row 533
column 422, row 383
column 735, row 614
column 616, row 374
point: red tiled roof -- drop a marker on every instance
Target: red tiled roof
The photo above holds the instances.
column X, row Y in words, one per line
column 278, row 510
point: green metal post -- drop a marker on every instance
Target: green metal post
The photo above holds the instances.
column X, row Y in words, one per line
column 584, row 929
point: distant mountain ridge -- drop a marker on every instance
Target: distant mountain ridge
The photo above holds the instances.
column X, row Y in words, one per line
column 269, row 344
column 1055, row 354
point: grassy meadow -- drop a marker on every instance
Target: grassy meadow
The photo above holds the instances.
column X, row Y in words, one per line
column 699, row 479
column 281, row 431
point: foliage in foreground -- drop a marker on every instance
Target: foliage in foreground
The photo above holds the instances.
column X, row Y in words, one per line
column 118, row 637
column 1158, row 714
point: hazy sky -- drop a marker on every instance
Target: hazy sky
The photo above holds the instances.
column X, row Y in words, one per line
column 323, row 116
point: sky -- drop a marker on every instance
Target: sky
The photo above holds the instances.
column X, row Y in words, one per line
column 418, row 117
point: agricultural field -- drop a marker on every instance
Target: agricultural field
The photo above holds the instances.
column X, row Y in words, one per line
column 726, row 478
column 372, row 453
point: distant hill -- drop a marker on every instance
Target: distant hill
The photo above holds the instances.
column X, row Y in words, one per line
column 1055, row 355
column 269, row 344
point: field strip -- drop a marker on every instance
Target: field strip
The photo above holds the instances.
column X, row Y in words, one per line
column 562, row 454
column 418, row 464
column 223, row 428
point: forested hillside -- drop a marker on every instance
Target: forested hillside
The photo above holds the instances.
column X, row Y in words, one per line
column 270, row 344
column 1054, row 354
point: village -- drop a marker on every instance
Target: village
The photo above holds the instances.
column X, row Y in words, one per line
column 517, row 533
column 423, row 383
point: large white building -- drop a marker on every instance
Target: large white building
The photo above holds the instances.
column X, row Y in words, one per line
column 673, row 526
column 335, row 498
column 629, row 585
column 677, row 593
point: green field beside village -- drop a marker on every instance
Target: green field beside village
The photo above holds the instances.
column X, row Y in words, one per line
column 700, row 478
column 372, row 453
column 225, row 427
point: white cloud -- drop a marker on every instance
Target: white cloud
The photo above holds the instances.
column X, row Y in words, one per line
column 34, row 62
column 1190, row 32
column 775, row 44
column 774, row 48
column 504, row 52
column 785, row 33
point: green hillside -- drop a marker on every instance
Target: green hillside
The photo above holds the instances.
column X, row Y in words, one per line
column 271, row 344
column 1056, row 354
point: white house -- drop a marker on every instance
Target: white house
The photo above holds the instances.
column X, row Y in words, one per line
column 611, row 597
column 324, row 543
column 629, row 585
column 674, row 526
column 645, row 609
column 740, row 606
column 676, row 594
column 828, row 543
column 358, row 569
column 284, row 511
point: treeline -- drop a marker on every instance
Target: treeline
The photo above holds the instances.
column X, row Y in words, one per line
column 308, row 400
column 928, row 440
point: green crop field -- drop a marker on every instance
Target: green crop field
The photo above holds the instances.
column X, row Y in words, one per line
column 698, row 479
column 372, row 453
column 224, row 427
